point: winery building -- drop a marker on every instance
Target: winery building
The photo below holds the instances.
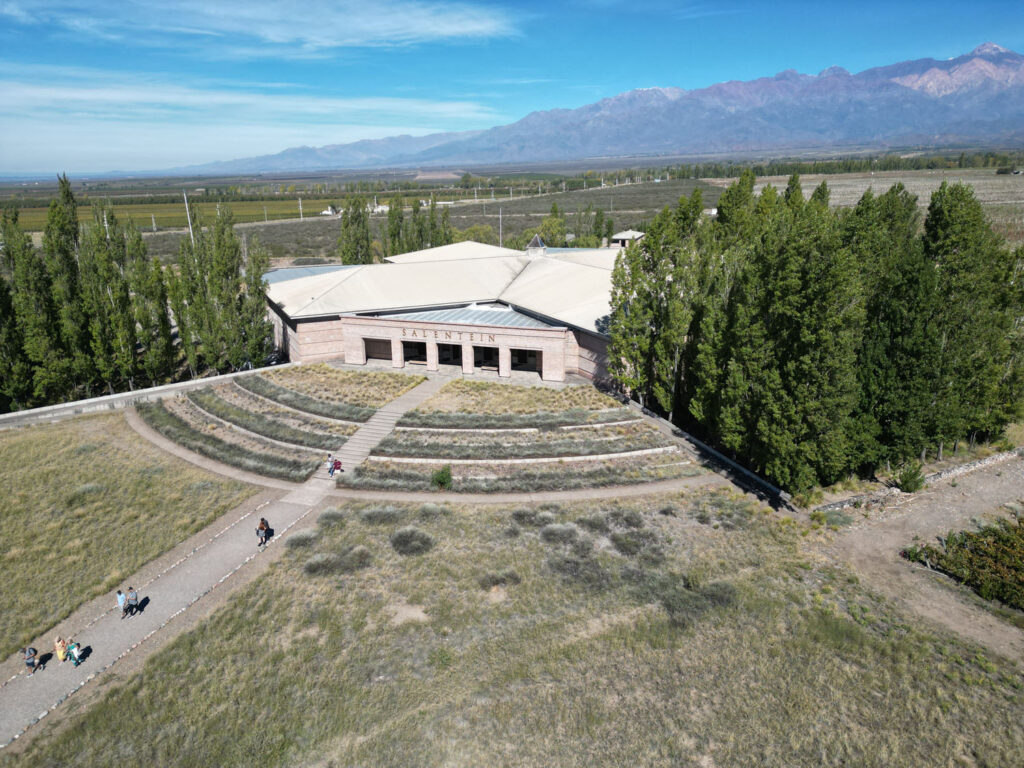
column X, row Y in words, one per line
column 470, row 305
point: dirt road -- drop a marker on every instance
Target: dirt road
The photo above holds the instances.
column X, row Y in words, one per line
column 872, row 546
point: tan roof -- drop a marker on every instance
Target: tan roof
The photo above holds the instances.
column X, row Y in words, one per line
column 574, row 294
column 464, row 250
column 592, row 257
column 572, row 289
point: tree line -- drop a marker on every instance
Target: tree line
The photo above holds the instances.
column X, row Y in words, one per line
column 811, row 343
column 90, row 312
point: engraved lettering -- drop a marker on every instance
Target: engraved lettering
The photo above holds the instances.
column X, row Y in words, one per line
column 472, row 337
column 447, row 334
column 490, row 336
column 403, row 331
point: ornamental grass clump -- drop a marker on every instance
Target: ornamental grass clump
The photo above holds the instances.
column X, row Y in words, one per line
column 347, row 560
column 555, row 533
column 301, row 539
column 411, row 541
column 499, row 579
column 388, row 515
column 331, row 517
column 431, row 511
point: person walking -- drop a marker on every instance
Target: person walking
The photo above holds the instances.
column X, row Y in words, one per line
column 330, row 465
column 60, row 649
column 261, row 532
column 133, row 601
column 31, row 660
column 122, row 603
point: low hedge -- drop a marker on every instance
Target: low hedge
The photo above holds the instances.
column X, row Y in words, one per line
column 173, row 428
column 268, row 389
column 542, row 420
column 259, row 424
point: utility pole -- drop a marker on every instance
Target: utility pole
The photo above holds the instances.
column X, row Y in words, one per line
column 300, row 209
column 501, row 239
column 265, row 213
column 153, row 217
column 188, row 216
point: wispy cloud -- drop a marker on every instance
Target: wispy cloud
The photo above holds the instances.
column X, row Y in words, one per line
column 269, row 28
column 51, row 112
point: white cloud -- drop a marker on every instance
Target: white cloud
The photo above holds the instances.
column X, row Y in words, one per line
column 270, row 28
column 92, row 120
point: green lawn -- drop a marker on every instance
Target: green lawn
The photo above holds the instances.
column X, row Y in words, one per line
column 86, row 502
column 688, row 630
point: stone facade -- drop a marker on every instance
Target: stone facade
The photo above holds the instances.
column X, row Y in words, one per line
column 554, row 352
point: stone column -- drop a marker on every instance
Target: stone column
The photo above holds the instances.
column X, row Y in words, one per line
column 553, row 364
column 467, row 359
column 431, row 355
column 504, row 361
column 397, row 354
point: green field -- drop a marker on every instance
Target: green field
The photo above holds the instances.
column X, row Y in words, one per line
column 672, row 631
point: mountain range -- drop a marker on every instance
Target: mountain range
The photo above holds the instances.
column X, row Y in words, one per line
column 977, row 98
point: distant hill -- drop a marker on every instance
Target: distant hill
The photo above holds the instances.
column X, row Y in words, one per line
column 971, row 99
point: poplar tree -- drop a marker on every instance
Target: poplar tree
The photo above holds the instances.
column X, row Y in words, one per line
column 150, row 308
column 393, row 232
column 629, row 325
column 35, row 313
column 60, row 252
column 15, row 368
column 355, row 243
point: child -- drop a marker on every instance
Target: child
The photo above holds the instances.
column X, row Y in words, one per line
column 60, row 649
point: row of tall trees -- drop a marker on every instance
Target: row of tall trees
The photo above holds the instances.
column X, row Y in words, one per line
column 91, row 312
column 809, row 342
column 423, row 228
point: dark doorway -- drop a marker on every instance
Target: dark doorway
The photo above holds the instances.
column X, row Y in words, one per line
column 449, row 354
column 526, row 360
column 415, row 352
column 377, row 349
column 485, row 358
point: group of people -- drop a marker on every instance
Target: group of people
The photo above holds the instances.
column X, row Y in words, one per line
column 333, row 465
column 62, row 649
column 128, row 603
column 263, row 533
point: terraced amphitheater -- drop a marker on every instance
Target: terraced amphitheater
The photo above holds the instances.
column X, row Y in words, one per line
column 491, row 437
column 280, row 423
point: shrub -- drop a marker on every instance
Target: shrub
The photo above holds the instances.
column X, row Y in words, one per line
column 430, row 511
column 525, row 516
column 442, row 478
column 411, row 541
column 668, row 511
column 301, row 539
column 628, row 519
column 553, row 533
column 332, row 516
column 910, row 478
column 544, row 518
column 258, row 423
column 582, row 546
column 388, row 515
column 322, row 563
column 597, row 523
column 585, row 571
column 499, row 579
column 512, row 531
column 988, row 560
column 346, row 561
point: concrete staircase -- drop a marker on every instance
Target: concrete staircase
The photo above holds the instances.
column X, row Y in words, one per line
column 382, row 423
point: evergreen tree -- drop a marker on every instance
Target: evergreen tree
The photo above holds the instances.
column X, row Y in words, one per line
column 38, row 318
column 149, row 305
column 393, row 232
column 60, row 251
column 15, row 368
column 355, row 243
column 257, row 330
column 629, row 325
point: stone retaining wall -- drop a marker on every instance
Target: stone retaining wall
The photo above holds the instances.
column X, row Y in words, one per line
column 120, row 400
column 866, row 499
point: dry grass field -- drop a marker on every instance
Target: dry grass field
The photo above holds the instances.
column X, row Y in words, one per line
column 490, row 398
column 692, row 630
column 86, row 503
column 320, row 381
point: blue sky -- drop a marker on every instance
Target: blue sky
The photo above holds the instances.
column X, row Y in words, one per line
column 91, row 86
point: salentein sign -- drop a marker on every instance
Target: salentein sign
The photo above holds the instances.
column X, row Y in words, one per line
column 420, row 333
